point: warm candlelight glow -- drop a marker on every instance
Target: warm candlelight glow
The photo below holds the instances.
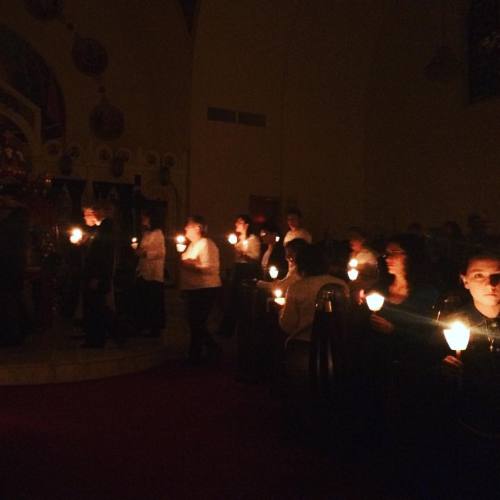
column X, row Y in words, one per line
column 457, row 336
column 353, row 274
column 232, row 238
column 278, row 297
column 353, row 263
column 76, row 235
column 245, row 244
column 277, row 239
column 273, row 272
column 375, row 301
column 181, row 245
column 134, row 243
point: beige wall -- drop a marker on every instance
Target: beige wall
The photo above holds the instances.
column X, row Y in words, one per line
column 356, row 134
column 148, row 76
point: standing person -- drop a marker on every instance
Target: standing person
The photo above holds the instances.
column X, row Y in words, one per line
column 97, row 277
column 200, row 281
column 294, row 221
column 246, row 267
column 367, row 259
column 150, row 275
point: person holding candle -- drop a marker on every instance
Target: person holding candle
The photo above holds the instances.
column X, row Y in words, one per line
column 201, row 283
column 366, row 260
column 246, row 267
column 292, row 249
column 150, row 296
column 98, row 315
column 479, row 364
column 294, row 221
column 297, row 315
column 274, row 254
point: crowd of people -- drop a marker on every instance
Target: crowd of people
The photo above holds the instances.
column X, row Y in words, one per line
column 426, row 277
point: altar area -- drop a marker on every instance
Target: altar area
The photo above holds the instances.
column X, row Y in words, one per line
column 55, row 355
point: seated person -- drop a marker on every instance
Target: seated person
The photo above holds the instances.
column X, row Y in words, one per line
column 297, row 315
column 292, row 249
column 479, row 365
column 409, row 301
column 294, row 221
column 367, row 259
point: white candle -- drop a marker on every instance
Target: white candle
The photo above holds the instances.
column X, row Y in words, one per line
column 375, row 301
column 134, row 243
column 277, row 239
column 273, row 272
column 76, row 235
column 232, row 238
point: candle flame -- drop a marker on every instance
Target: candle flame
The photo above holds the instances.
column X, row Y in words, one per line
column 353, row 263
column 375, row 301
column 180, row 238
column 76, row 235
column 232, row 238
column 273, row 272
column 353, row 274
column 457, row 336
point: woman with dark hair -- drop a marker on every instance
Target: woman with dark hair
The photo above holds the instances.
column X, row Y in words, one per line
column 150, row 275
column 409, row 299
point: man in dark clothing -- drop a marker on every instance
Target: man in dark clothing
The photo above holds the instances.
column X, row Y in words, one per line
column 97, row 278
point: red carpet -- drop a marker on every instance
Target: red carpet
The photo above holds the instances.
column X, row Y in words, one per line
column 166, row 434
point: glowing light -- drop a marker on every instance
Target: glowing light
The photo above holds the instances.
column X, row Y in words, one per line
column 181, row 245
column 134, row 243
column 278, row 297
column 232, row 238
column 76, row 235
column 180, row 239
column 375, row 301
column 353, row 263
column 277, row 239
column 353, row 274
column 457, row 336
column 273, row 272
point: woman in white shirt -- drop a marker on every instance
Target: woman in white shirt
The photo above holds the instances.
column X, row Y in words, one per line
column 150, row 276
column 200, row 282
column 246, row 267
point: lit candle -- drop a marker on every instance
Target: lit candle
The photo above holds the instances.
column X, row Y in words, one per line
column 134, row 243
column 353, row 263
column 375, row 301
column 76, row 235
column 457, row 337
column 278, row 297
column 353, row 274
column 232, row 238
column 273, row 272
column 181, row 243
column 277, row 239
